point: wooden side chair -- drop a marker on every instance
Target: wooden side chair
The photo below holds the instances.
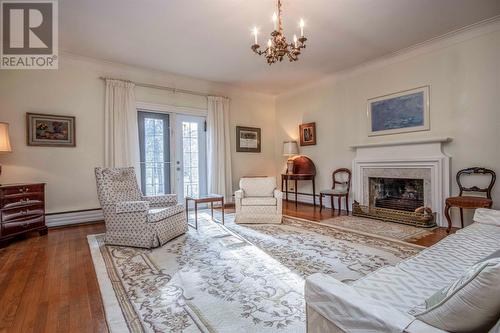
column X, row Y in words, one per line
column 467, row 201
column 340, row 188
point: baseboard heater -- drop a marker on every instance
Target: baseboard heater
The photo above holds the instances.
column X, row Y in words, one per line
column 422, row 217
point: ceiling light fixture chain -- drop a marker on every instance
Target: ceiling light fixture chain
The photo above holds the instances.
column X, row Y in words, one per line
column 277, row 46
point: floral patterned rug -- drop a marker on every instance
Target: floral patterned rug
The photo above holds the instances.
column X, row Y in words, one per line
column 232, row 278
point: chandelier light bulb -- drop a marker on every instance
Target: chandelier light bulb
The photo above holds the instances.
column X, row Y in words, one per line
column 255, row 33
column 302, row 24
column 295, row 40
column 275, row 21
column 269, row 43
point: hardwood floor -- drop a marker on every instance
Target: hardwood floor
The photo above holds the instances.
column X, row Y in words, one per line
column 48, row 284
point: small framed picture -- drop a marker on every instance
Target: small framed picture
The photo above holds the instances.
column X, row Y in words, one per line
column 307, row 134
column 248, row 139
column 50, row 130
column 401, row 112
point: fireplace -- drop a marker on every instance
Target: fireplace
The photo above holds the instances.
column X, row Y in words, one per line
column 420, row 173
column 396, row 193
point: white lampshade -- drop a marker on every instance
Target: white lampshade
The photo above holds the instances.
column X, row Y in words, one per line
column 4, row 138
column 290, row 148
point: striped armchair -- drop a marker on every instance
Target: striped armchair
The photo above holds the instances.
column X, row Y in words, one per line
column 133, row 219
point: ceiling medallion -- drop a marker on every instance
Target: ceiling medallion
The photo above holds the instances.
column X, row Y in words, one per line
column 277, row 46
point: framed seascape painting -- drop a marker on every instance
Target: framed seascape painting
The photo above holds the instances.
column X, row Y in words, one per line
column 307, row 134
column 248, row 139
column 50, row 130
column 405, row 111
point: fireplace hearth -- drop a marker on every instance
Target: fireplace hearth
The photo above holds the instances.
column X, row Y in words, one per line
column 396, row 193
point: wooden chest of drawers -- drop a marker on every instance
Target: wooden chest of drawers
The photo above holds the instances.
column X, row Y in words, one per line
column 22, row 209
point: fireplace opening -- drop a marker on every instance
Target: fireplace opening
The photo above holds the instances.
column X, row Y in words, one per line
column 396, row 193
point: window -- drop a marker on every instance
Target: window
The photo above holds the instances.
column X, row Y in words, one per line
column 154, row 144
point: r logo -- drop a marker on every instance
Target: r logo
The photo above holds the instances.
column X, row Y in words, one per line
column 27, row 28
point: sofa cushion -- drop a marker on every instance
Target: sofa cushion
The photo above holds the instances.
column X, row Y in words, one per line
column 258, row 201
column 258, row 186
column 158, row 214
column 475, row 292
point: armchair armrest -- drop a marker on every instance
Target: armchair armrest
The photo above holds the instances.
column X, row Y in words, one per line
column 278, row 194
column 350, row 311
column 131, row 206
column 161, row 200
column 239, row 194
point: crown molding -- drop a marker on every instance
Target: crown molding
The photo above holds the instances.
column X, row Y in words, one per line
column 440, row 42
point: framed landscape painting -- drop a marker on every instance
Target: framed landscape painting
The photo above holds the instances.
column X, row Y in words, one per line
column 248, row 139
column 50, row 130
column 405, row 111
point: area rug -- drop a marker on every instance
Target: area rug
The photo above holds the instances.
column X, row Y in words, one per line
column 233, row 278
column 374, row 227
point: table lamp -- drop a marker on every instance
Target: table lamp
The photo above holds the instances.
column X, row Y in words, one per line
column 4, row 140
column 290, row 148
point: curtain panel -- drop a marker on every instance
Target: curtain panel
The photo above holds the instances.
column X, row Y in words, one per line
column 121, row 135
column 219, row 148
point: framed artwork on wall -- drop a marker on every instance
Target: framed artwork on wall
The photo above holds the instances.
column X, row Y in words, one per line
column 50, row 130
column 248, row 139
column 307, row 134
column 402, row 112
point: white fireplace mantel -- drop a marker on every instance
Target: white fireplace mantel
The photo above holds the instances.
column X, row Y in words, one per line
column 426, row 154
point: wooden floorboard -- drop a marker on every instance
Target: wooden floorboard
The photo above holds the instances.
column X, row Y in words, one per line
column 48, row 283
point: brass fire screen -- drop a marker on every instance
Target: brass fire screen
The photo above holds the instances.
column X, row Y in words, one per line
column 422, row 217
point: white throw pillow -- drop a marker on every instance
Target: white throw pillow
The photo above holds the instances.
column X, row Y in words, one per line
column 470, row 304
column 487, row 216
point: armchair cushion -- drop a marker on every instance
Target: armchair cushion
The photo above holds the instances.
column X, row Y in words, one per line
column 258, row 186
column 158, row 214
column 258, row 201
column 131, row 206
column 161, row 200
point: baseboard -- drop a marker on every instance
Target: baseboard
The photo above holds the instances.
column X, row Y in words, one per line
column 63, row 219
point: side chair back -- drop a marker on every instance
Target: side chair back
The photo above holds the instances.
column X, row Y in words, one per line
column 476, row 171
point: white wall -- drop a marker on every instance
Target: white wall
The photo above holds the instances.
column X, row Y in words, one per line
column 464, row 79
column 75, row 89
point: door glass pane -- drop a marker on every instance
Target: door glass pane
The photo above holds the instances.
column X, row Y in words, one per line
column 191, row 176
column 154, row 148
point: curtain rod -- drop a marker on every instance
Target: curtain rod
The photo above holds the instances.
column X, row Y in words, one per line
column 154, row 86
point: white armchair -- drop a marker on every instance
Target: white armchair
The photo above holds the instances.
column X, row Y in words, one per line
column 258, row 201
column 133, row 219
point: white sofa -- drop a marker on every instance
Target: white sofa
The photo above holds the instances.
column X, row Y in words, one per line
column 383, row 300
column 258, row 201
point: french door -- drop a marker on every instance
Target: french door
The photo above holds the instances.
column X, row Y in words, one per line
column 173, row 155
column 191, row 155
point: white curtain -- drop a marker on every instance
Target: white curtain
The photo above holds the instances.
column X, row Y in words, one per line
column 219, row 148
column 121, row 135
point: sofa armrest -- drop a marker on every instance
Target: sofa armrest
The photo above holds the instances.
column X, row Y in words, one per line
column 131, row 206
column 350, row 311
column 161, row 200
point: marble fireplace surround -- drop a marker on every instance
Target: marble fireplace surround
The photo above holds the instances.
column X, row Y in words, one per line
column 420, row 159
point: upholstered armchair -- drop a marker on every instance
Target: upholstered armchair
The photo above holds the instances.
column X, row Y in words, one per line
column 133, row 219
column 258, row 201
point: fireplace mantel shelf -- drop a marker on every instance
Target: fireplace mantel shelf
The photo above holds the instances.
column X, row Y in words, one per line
column 401, row 143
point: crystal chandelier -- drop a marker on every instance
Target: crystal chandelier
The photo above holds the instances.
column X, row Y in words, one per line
column 277, row 46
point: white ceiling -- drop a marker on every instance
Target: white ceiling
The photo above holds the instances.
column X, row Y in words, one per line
column 211, row 39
